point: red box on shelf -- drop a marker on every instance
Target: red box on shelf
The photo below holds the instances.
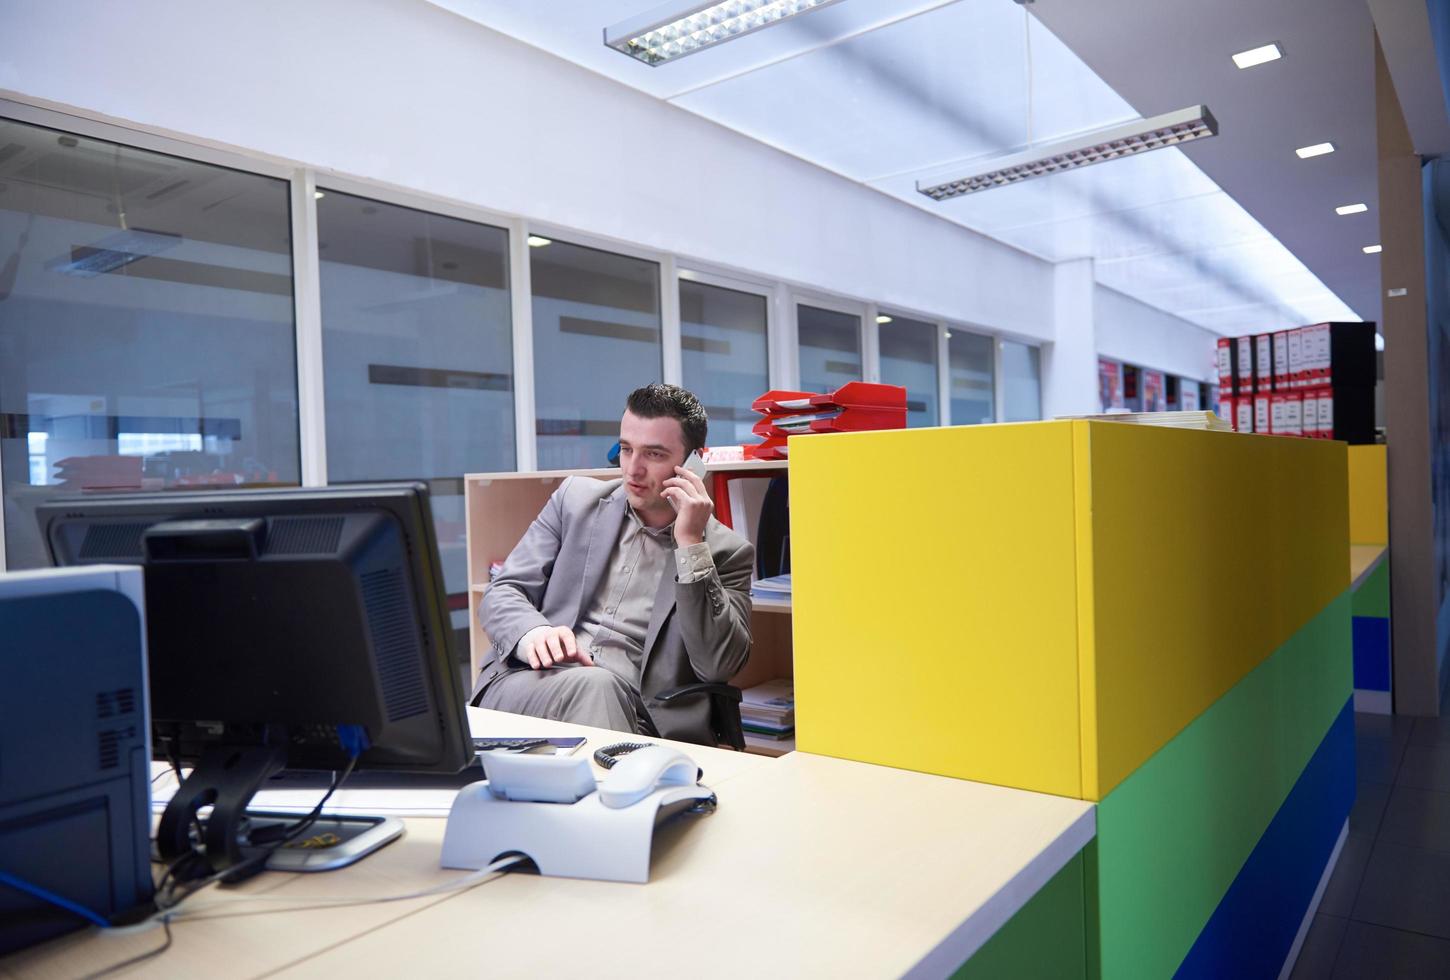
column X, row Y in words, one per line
column 854, row 407
column 1244, row 414
column 1281, row 360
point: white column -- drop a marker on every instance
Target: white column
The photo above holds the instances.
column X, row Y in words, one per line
column 870, row 345
column 943, row 374
column 784, row 350
column 1070, row 361
column 307, row 296
column 671, row 349
column 526, row 458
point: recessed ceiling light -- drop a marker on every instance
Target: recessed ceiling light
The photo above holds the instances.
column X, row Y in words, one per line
column 539, row 241
column 1351, row 208
column 1318, row 149
column 1257, row 56
column 318, row 195
column 1372, row 249
column 883, row 318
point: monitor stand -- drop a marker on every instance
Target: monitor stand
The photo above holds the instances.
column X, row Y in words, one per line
column 332, row 842
column 232, row 837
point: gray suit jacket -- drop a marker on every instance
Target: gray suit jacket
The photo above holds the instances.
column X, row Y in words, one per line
column 699, row 631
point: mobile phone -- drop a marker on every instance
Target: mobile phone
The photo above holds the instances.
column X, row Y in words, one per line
column 695, row 464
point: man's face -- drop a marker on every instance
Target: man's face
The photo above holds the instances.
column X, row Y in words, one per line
column 649, row 451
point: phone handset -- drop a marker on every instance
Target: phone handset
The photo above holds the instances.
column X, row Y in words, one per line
column 695, row 465
column 642, row 772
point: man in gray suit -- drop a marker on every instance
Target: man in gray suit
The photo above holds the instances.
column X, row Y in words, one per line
column 622, row 589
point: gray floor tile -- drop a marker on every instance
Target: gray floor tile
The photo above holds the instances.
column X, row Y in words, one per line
column 1397, row 727
column 1376, row 953
column 1377, row 760
column 1417, row 818
column 1429, row 731
column 1343, row 885
column 1369, row 807
column 1405, row 888
column 1321, row 946
column 1426, row 767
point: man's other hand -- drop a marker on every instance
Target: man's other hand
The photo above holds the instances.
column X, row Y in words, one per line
column 550, row 646
column 692, row 504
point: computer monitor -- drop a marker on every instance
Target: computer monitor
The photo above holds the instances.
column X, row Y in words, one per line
column 293, row 628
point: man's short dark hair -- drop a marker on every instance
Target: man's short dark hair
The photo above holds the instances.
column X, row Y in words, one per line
column 671, row 401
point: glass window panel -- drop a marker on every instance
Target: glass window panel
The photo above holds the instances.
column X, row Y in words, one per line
column 1021, row 382
column 146, row 325
column 908, row 358
column 596, row 339
column 830, row 348
column 969, row 370
column 723, row 341
column 417, row 349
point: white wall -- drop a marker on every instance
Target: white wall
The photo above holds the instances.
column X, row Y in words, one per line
column 402, row 92
column 1128, row 330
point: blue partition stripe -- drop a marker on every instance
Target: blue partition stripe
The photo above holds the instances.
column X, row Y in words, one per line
column 1250, row 932
column 1371, row 653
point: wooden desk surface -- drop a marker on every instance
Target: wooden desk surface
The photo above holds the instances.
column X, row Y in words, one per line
column 810, row 865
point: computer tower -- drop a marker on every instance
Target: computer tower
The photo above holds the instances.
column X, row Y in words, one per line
column 75, row 748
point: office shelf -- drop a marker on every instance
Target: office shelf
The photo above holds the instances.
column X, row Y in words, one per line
column 774, row 747
column 498, row 508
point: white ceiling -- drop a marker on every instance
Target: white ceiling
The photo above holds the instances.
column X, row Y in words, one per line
column 881, row 91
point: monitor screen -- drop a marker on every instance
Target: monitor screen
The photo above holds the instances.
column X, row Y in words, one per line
column 306, row 615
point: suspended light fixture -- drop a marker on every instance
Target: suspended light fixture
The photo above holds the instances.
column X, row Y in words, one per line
column 667, row 33
column 1122, row 140
column 1068, row 153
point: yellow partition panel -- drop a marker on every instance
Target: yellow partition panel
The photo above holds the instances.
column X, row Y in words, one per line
column 1207, row 552
column 1369, row 507
column 934, row 605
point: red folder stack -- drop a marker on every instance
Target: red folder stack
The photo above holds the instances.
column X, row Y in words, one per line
column 853, row 407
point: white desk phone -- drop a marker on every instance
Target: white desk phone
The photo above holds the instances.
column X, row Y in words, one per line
column 551, row 809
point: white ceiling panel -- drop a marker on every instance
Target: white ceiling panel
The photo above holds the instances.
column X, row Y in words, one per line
column 883, row 91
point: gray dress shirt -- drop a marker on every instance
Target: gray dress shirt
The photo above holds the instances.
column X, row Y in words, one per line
column 615, row 620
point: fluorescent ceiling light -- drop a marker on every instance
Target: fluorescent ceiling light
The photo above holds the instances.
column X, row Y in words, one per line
column 669, row 32
column 1258, row 56
column 539, row 241
column 1373, row 249
column 1085, row 149
column 883, row 318
column 115, row 251
column 1318, row 149
column 1351, row 208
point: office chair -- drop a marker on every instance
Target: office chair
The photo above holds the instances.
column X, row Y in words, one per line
column 724, row 710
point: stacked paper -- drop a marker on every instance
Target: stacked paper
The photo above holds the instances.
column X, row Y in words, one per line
column 1171, row 420
column 769, row 709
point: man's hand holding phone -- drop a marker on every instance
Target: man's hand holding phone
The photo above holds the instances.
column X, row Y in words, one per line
column 687, row 495
column 550, row 646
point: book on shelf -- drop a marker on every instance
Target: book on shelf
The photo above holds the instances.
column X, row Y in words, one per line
column 1171, row 420
column 778, row 736
column 769, row 708
column 775, row 587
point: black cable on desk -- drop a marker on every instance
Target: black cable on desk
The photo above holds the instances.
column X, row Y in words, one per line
column 118, row 967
